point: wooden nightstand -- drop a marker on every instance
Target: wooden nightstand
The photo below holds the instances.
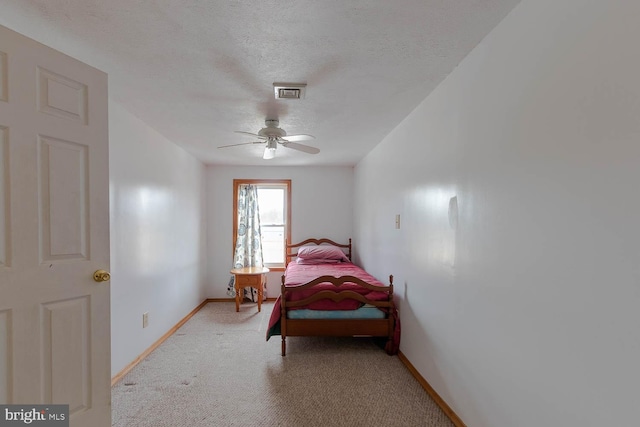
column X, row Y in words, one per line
column 249, row 277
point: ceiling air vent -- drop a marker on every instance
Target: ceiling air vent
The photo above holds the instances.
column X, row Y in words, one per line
column 289, row 90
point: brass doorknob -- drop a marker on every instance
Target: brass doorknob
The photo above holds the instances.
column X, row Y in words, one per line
column 101, row 276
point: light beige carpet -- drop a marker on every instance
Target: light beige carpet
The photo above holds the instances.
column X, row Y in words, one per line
column 218, row 370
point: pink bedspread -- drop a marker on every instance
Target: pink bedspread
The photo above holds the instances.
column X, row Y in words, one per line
column 298, row 274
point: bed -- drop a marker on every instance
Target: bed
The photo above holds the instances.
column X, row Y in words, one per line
column 324, row 294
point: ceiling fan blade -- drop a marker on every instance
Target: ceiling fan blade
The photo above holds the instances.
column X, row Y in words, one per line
column 255, row 135
column 301, row 147
column 242, row 143
column 301, row 137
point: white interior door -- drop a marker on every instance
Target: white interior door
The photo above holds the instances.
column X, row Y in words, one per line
column 54, row 231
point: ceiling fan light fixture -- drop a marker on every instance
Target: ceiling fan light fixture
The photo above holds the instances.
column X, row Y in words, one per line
column 269, row 153
column 270, row 149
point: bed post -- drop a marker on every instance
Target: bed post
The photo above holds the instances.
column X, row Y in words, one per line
column 286, row 252
column 283, row 318
column 389, row 346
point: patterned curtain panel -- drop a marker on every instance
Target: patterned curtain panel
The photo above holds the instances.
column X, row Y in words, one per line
column 248, row 250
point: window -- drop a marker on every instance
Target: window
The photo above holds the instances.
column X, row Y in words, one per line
column 274, row 201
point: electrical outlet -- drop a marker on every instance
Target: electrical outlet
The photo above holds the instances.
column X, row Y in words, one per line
column 145, row 320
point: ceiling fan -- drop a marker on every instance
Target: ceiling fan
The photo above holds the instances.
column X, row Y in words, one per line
column 273, row 135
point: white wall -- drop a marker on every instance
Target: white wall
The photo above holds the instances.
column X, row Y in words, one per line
column 157, row 235
column 526, row 313
column 321, row 206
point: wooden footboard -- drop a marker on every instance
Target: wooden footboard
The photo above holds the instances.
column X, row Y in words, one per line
column 337, row 327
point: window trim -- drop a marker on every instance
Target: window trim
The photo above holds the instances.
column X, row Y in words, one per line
column 285, row 182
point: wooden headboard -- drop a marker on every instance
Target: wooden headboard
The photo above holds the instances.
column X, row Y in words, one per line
column 292, row 248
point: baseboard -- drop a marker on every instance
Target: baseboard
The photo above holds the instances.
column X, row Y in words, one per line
column 155, row 345
column 431, row 392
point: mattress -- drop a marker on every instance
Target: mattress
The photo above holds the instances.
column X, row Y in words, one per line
column 364, row 312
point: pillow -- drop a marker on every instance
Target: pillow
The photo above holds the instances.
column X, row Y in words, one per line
column 322, row 252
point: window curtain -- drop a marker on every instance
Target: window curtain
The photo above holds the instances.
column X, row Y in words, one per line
column 248, row 248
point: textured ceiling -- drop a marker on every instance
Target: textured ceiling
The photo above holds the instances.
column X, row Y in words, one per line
column 197, row 70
